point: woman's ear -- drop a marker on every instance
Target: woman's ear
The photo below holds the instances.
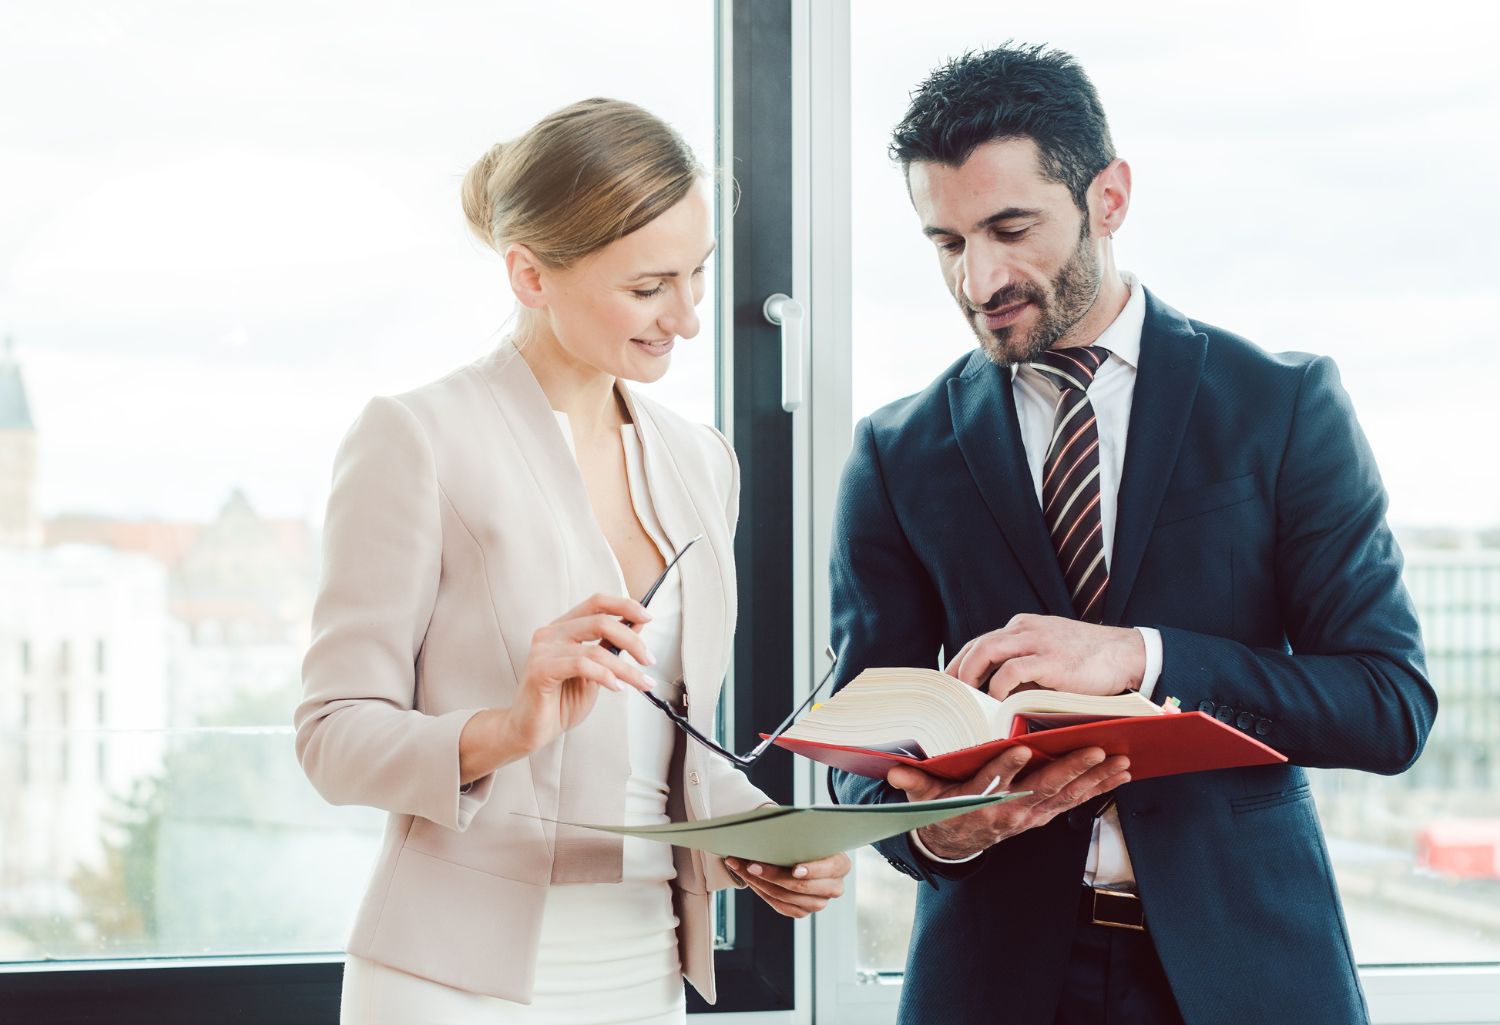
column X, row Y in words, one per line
column 525, row 273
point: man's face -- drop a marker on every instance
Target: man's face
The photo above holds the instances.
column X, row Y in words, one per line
column 1014, row 248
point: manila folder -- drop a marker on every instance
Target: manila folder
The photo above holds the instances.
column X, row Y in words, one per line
column 779, row 835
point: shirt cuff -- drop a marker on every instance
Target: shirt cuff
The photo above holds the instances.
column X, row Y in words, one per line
column 1152, row 638
column 921, row 849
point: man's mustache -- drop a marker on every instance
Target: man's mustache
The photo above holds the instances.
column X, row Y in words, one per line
column 1003, row 298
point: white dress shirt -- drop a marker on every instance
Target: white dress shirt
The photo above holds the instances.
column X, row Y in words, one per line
column 1111, row 395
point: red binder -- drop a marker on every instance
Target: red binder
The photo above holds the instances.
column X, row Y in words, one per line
column 1157, row 745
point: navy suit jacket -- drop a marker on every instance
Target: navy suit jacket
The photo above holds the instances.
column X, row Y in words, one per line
column 1251, row 532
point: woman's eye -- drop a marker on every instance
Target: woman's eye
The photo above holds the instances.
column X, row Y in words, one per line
column 641, row 293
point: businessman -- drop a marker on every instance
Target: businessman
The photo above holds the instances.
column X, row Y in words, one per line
column 1107, row 495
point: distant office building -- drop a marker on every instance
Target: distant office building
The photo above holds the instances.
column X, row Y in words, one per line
column 239, row 594
column 83, row 670
column 1457, row 593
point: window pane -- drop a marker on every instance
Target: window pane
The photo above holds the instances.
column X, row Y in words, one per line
column 221, row 231
column 1304, row 195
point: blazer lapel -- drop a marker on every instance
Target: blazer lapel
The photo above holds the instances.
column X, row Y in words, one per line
column 989, row 436
column 1172, row 355
column 706, row 593
column 580, row 776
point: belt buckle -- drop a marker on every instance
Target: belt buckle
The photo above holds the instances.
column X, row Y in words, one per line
column 1121, row 900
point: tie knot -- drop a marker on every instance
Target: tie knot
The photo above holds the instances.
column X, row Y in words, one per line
column 1071, row 368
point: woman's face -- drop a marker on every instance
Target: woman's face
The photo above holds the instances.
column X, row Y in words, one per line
column 621, row 309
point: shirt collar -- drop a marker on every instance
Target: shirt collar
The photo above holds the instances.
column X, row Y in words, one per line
column 1123, row 336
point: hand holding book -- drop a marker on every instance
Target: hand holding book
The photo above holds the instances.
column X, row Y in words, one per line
column 936, row 737
column 1054, row 787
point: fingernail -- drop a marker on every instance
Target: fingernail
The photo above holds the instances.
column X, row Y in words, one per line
column 756, row 870
column 613, row 683
column 732, row 862
column 1022, row 755
column 800, row 871
column 650, row 659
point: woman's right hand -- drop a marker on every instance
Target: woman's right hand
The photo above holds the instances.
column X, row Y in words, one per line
column 566, row 665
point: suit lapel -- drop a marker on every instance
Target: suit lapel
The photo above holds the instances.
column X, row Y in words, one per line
column 989, row 436
column 1171, row 362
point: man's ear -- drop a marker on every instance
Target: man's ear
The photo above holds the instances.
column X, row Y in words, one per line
column 525, row 273
column 1110, row 192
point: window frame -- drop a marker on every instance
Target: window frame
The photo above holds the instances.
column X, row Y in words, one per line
column 784, row 103
column 758, row 971
column 1397, row 995
column 764, row 973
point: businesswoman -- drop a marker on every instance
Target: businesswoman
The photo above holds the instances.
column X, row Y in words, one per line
column 486, row 539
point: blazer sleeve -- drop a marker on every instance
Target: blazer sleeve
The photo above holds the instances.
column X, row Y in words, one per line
column 1352, row 691
column 359, row 737
column 885, row 612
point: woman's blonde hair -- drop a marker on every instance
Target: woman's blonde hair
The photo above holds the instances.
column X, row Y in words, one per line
column 577, row 180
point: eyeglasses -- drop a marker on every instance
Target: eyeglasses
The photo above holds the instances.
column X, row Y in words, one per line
column 744, row 761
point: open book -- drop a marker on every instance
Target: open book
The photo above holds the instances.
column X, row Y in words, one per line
column 938, row 723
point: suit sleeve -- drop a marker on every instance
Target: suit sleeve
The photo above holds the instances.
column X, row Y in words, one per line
column 886, row 612
column 359, row 737
column 1352, row 690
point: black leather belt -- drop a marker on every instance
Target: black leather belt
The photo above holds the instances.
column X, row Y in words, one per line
column 1117, row 909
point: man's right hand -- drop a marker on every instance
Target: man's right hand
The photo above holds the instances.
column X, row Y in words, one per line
column 1056, row 787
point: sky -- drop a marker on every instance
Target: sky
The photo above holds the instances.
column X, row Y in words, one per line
column 224, row 226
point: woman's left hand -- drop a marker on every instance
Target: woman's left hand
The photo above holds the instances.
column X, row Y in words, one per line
column 797, row 891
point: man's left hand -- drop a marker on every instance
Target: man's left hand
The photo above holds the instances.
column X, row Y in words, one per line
column 1055, row 653
column 799, row 890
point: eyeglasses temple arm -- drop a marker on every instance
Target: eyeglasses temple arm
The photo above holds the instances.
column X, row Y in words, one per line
column 787, row 722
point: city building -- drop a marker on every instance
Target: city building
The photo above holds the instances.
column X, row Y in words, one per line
column 20, row 524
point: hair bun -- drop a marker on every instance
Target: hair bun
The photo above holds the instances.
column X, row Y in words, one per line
column 478, row 196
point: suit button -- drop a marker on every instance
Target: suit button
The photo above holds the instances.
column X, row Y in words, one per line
column 1245, row 721
column 1263, row 727
column 693, row 778
column 1224, row 714
column 1206, row 706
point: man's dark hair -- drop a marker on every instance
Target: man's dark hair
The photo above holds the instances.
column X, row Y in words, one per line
column 1010, row 92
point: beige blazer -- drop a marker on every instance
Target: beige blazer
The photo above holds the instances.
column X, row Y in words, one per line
column 457, row 525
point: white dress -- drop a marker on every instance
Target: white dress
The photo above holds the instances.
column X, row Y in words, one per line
column 608, row 951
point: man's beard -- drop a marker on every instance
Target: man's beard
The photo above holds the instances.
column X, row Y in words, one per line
column 1072, row 293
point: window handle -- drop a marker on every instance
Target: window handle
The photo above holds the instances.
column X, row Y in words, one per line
column 790, row 315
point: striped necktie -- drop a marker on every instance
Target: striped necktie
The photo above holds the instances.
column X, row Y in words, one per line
column 1070, row 478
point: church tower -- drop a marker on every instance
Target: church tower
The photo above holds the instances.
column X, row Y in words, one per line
column 19, row 524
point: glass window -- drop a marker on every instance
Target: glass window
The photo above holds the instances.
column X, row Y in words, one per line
column 221, row 231
column 1291, row 185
